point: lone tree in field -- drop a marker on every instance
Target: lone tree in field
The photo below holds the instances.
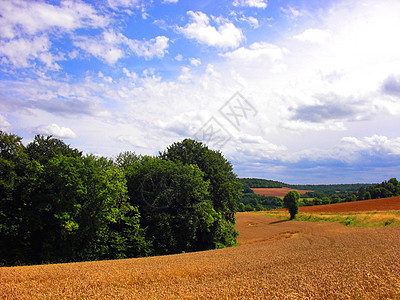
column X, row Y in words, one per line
column 291, row 202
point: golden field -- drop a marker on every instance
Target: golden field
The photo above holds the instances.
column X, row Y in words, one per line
column 277, row 259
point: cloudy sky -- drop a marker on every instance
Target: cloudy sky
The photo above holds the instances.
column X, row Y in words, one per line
column 301, row 91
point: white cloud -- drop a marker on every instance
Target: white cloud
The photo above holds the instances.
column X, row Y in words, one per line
column 179, row 57
column 4, row 124
column 195, row 61
column 19, row 52
column 292, row 13
column 31, row 17
column 185, row 75
column 227, row 35
column 57, row 131
column 253, row 22
column 26, row 28
column 250, row 3
column 257, row 51
column 115, row 4
column 374, row 144
column 170, row 1
column 279, row 76
column 129, row 74
column 156, row 47
column 313, row 35
column 105, row 47
column 110, row 46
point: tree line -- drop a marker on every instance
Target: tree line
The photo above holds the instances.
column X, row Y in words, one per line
column 58, row 205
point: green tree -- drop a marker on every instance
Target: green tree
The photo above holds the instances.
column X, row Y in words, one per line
column 326, row 200
column 241, row 207
column 42, row 149
column 174, row 203
column 14, row 166
column 334, row 198
column 291, row 202
column 224, row 187
column 317, row 201
column 58, row 206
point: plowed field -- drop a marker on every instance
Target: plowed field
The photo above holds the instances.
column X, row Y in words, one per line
column 277, row 260
column 276, row 192
column 382, row 204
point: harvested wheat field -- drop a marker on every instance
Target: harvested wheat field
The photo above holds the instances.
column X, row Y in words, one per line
column 383, row 204
column 277, row 192
column 276, row 260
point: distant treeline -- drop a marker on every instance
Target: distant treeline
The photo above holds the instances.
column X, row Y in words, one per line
column 261, row 183
column 321, row 194
column 251, row 201
column 58, row 205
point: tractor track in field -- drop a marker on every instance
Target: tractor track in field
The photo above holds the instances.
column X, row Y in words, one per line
column 276, row 259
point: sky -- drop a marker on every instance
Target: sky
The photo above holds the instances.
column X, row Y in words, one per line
column 299, row 91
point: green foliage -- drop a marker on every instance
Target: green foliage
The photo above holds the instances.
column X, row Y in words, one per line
column 174, row 203
column 224, row 188
column 257, row 201
column 57, row 205
column 261, row 183
column 61, row 206
column 291, row 202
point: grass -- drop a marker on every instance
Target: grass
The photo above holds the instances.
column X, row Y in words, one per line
column 353, row 219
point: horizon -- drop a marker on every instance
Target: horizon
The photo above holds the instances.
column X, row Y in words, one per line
column 299, row 91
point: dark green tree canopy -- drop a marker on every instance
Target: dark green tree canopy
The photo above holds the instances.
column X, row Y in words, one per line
column 57, row 205
column 291, row 202
column 224, row 185
column 42, row 149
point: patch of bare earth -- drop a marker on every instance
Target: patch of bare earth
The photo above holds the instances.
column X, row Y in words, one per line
column 277, row 192
column 276, row 260
column 383, row 204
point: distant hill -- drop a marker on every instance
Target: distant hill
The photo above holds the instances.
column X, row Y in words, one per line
column 264, row 183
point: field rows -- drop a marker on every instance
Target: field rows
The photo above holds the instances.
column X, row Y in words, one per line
column 383, row 204
column 277, row 260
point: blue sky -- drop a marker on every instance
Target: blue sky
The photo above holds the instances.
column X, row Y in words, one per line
column 295, row 91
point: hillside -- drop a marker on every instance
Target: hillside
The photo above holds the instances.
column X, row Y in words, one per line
column 382, row 204
column 277, row 259
column 264, row 183
column 277, row 192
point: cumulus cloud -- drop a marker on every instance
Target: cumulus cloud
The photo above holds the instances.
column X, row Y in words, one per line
column 313, row 35
column 57, row 131
column 4, row 124
column 105, row 47
column 323, row 112
column 227, row 35
column 20, row 52
column 30, row 17
column 391, row 85
column 195, row 61
column 156, row 47
column 124, row 3
column 110, row 46
column 26, row 28
column 253, row 22
column 257, row 51
column 250, row 3
column 372, row 146
column 291, row 12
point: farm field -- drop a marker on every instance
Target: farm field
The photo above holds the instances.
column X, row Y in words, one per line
column 277, row 192
column 383, row 204
column 277, row 259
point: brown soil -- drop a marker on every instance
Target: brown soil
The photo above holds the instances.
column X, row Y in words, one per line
column 277, row 260
column 277, row 192
column 382, row 204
